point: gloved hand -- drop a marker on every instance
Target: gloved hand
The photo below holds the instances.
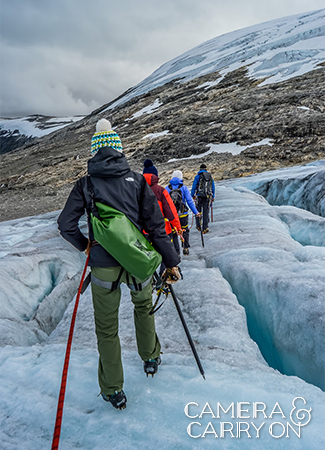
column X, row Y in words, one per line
column 198, row 215
column 172, row 275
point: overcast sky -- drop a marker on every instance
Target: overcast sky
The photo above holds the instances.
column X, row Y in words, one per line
column 68, row 57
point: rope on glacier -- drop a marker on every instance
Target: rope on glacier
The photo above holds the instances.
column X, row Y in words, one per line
column 192, row 222
column 59, row 413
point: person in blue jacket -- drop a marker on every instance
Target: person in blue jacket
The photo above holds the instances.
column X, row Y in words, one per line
column 183, row 201
column 204, row 190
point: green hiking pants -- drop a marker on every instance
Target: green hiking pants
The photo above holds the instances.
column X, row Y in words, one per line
column 106, row 305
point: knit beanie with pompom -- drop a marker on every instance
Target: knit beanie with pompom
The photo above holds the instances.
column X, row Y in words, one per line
column 149, row 167
column 105, row 137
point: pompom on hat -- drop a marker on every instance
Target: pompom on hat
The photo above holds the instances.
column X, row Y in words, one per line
column 105, row 137
column 149, row 167
column 177, row 174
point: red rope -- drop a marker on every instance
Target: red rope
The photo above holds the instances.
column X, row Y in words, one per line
column 59, row 413
column 192, row 221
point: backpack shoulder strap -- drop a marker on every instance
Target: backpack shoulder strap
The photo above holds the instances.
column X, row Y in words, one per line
column 90, row 188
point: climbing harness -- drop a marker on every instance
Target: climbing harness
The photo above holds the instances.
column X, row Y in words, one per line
column 113, row 285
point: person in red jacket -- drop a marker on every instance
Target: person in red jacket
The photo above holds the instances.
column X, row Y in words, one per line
column 165, row 202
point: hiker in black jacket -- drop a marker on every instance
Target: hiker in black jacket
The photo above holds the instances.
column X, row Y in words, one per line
column 116, row 185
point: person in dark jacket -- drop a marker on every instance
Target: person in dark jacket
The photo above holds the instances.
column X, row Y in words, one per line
column 204, row 190
column 176, row 183
column 116, row 185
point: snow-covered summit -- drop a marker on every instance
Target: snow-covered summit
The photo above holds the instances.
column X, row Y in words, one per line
column 274, row 51
column 35, row 125
column 15, row 132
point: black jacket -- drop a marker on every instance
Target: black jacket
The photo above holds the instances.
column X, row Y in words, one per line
column 116, row 185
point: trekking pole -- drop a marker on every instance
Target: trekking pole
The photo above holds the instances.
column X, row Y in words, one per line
column 211, row 205
column 59, row 413
column 202, row 240
column 190, row 340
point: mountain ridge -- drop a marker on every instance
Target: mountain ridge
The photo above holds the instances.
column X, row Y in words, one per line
column 180, row 121
column 221, row 52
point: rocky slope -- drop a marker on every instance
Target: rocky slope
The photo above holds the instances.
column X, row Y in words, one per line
column 277, row 124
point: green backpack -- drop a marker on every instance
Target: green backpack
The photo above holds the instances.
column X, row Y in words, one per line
column 122, row 239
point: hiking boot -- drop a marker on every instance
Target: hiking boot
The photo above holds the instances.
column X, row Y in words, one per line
column 206, row 231
column 151, row 366
column 198, row 228
column 186, row 251
column 118, row 400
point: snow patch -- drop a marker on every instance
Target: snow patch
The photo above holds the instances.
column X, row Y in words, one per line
column 232, row 148
column 156, row 135
column 146, row 110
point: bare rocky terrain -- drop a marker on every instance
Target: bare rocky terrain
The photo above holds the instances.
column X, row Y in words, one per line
column 37, row 177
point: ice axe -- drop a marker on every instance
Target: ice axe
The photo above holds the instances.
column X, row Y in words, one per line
column 187, row 332
column 167, row 288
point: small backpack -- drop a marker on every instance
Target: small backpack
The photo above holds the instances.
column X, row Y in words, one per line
column 177, row 197
column 205, row 185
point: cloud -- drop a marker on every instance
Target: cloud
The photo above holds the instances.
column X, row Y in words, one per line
column 69, row 57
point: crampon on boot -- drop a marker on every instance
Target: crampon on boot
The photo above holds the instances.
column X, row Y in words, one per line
column 118, row 400
column 151, row 366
